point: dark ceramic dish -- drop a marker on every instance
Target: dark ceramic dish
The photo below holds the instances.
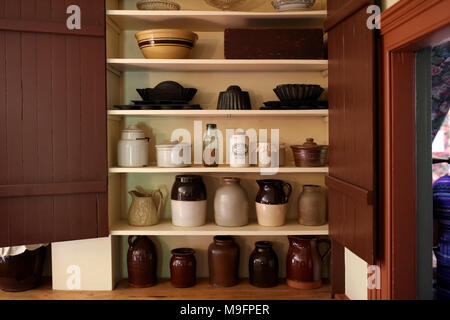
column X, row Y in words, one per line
column 167, row 90
column 295, row 105
column 298, row 92
column 234, row 99
column 272, row 191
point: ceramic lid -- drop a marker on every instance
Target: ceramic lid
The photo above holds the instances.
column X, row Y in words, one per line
column 309, row 144
column 171, row 144
column 132, row 133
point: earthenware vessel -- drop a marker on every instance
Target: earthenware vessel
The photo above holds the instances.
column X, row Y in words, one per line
column 223, row 261
column 263, row 265
column 304, row 262
column 132, row 149
column 234, row 99
column 145, row 209
column 231, row 204
column 312, row 207
column 324, row 155
column 188, row 201
column 239, row 150
column 272, row 201
column 23, row 271
column 141, row 261
column 166, row 43
column 157, row 5
column 183, row 268
column 173, row 154
column 308, row 154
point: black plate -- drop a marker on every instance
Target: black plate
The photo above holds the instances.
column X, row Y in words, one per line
column 128, row 107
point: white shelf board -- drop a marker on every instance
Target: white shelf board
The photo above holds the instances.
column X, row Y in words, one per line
column 166, row 228
column 228, row 65
column 220, row 169
column 219, row 113
column 210, row 20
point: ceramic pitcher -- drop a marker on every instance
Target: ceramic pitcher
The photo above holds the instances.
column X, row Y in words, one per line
column 145, row 209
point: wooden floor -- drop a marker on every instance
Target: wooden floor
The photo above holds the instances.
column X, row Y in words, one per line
column 164, row 291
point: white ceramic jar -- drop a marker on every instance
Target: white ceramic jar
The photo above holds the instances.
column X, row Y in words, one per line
column 239, row 150
column 132, row 149
column 173, row 154
column 231, row 204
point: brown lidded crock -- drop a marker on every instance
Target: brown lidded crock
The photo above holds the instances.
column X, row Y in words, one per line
column 307, row 154
column 182, row 268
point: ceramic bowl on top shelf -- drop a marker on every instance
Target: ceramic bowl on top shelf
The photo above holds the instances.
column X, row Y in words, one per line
column 223, row 4
column 292, row 5
column 166, row 43
column 157, row 5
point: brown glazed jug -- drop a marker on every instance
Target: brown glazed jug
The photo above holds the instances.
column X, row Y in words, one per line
column 183, row 268
column 141, row 261
column 223, row 260
column 263, row 265
column 304, row 262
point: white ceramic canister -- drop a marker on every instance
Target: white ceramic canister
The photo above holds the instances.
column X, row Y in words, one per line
column 239, row 150
column 132, row 149
column 173, row 154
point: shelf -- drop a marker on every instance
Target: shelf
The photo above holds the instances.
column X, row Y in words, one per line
column 166, row 228
column 218, row 113
column 226, row 65
column 165, row 291
column 220, row 169
column 210, row 20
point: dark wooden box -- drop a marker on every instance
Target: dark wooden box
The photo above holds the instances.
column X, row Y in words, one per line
column 264, row 43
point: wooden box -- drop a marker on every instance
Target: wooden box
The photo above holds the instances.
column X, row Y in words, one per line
column 265, row 43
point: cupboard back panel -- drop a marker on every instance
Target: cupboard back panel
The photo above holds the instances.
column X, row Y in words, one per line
column 52, row 125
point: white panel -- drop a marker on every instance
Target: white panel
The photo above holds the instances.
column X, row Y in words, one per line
column 355, row 276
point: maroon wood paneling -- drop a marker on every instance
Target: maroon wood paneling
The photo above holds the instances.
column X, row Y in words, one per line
column 53, row 164
column 352, row 197
column 337, row 269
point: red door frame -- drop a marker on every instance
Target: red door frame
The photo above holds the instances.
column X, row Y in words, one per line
column 407, row 27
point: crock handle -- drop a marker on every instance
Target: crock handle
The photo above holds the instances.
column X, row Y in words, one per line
column 327, row 252
column 130, row 242
column 289, row 187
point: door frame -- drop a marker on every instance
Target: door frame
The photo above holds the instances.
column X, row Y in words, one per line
column 406, row 27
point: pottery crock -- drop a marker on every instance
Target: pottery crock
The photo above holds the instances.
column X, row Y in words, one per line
column 304, row 262
column 223, row 261
column 141, row 261
column 188, row 201
column 263, row 265
column 231, row 204
column 22, row 272
column 272, row 202
column 312, row 207
column 183, row 268
column 308, row 154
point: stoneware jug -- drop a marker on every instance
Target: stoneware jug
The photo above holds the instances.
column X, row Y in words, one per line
column 231, row 204
column 145, row 209
column 263, row 265
column 304, row 262
column 312, row 207
column 223, row 261
column 272, row 201
column 141, row 262
column 182, row 268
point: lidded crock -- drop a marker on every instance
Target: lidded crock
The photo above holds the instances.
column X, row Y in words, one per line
column 307, row 154
column 172, row 154
column 132, row 149
column 223, row 261
column 183, row 267
column 263, row 265
column 141, row 262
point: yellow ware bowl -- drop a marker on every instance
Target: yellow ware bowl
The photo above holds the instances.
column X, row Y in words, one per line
column 166, row 43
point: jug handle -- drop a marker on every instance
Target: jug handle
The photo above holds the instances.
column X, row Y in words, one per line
column 130, row 242
column 327, row 252
column 289, row 187
column 160, row 195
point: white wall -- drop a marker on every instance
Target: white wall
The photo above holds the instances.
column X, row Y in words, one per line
column 355, row 276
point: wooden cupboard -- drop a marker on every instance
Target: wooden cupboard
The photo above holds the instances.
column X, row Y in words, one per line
column 76, row 143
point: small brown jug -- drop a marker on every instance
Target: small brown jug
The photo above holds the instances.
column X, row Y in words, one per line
column 141, row 261
column 304, row 262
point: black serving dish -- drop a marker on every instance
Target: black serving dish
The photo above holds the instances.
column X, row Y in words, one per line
column 128, row 107
column 234, row 99
column 295, row 105
column 298, row 92
column 167, row 90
